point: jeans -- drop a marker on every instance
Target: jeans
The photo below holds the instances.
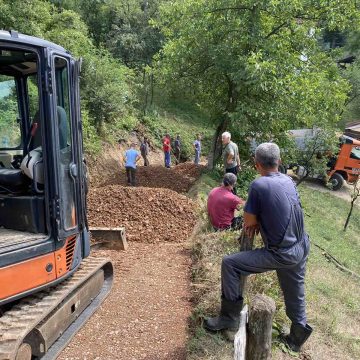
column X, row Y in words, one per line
column 197, row 157
column 177, row 156
column 167, row 159
column 131, row 176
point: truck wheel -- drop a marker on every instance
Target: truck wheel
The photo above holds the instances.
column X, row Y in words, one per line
column 336, row 181
column 282, row 169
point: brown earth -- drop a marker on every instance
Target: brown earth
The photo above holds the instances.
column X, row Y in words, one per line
column 147, row 312
column 179, row 178
column 149, row 215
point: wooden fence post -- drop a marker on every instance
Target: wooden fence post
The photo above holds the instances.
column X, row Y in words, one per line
column 240, row 336
column 262, row 309
column 246, row 244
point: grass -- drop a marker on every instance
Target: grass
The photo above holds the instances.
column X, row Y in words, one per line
column 178, row 117
column 333, row 297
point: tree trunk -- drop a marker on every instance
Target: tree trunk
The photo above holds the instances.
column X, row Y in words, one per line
column 216, row 147
column 262, row 309
column 151, row 89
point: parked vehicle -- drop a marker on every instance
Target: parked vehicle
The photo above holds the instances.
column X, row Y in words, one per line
column 345, row 166
column 49, row 285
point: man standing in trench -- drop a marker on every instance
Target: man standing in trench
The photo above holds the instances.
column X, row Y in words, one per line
column 132, row 157
column 274, row 208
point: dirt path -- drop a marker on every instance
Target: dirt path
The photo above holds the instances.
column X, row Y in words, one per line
column 146, row 314
column 344, row 193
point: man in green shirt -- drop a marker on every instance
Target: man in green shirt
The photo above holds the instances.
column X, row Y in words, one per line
column 230, row 155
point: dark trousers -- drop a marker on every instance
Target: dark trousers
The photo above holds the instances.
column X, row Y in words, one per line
column 233, row 170
column 131, row 176
column 197, row 157
column 289, row 263
column 236, row 224
column 146, row 160
column 177, row 156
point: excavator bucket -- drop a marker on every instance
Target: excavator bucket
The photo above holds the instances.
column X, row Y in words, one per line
column 110, row 238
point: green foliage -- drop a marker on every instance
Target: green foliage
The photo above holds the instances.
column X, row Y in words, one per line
column 316, row 153
column 30, row 17
column 257, row 63
column 107, row 86
column 132, row 38
column 10, row 134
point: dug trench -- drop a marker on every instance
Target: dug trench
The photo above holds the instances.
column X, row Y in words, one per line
column 147, row 312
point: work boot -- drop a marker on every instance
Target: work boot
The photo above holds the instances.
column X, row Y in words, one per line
column 297, row 337
column 229, row 317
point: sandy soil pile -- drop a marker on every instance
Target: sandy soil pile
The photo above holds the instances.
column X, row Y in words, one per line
column 149, row 215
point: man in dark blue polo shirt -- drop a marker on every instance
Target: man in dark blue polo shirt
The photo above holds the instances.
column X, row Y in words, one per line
column 273, row 208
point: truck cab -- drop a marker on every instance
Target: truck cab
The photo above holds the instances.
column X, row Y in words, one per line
column 346, row 166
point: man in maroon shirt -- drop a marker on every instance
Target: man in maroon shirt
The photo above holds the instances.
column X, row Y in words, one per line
column 222, row 204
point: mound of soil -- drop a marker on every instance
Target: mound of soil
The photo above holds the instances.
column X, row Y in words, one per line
column 149, row 215
column 179, row 178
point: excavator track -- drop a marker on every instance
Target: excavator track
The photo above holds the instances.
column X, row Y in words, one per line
column 18, row 323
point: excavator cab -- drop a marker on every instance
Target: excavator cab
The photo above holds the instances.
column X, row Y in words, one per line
column 43, row 227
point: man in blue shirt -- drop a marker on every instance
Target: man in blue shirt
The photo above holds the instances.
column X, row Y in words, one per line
column 197, row 148
column 132, row 156
column 273, row 208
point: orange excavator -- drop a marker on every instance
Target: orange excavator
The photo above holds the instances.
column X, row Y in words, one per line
column 49, row 285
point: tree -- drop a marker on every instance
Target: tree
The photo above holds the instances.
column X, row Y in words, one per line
column 312, row 160
column 256, row 64
column 132, row 38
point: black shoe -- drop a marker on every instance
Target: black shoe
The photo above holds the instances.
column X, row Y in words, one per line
column 229, row 317
column 297, row 337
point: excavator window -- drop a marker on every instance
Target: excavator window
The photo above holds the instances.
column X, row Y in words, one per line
column 66, row 156
column 10, row 126
column 22, row 189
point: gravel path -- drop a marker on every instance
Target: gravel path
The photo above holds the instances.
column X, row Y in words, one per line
column 146, row 314
column 344, row 193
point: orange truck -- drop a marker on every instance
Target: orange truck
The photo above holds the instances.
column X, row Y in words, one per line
column 345, row 166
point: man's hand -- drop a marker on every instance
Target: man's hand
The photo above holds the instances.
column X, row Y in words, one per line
column 229, row 159
column 251, row 225
column 251, row 231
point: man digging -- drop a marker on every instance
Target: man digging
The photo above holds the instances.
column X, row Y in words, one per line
column 274, row 208
column 132, row 157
